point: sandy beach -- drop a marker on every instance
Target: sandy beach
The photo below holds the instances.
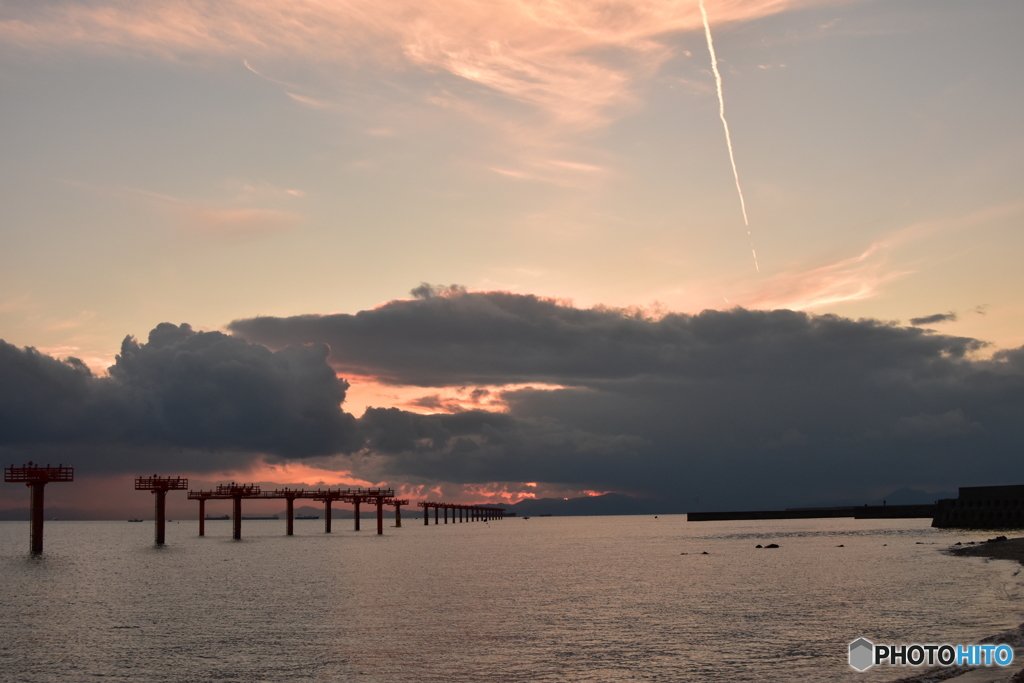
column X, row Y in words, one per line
column 997, row 548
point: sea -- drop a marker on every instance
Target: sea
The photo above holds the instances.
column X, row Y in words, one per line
column 632, row 598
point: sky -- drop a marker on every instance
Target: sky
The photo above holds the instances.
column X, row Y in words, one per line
column 486, row 251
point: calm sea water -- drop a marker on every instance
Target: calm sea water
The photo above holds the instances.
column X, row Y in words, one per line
column 545, row 599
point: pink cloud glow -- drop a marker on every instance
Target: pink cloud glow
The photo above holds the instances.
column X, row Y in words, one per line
column 862, row 276
column 365, row 392
column 296, row 474
column 97, row 363
column 851, row 279
column 809, row 286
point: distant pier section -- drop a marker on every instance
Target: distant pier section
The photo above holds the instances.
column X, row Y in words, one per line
column 468, row 513
column 856, row 512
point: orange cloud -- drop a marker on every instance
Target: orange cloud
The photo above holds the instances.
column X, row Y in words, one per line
column 97, row 363
column 852, row 279
column 862, row 276
column 809, row 286
column 365, row 392
column 297, row 473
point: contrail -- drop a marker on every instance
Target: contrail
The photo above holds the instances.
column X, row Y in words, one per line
column 725, row 124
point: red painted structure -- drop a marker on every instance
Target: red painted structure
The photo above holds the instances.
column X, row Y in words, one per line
column 236, row 492
column 36, row 477
column 398, row 503
column 356, row 497
column 471, row 513
column 160, row 486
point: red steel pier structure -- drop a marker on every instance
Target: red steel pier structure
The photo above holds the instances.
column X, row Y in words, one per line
column 236, row 492
column 36, row 477
column 233, row 492
column 160, row 486
column 356, row 497
column 398, row 503
column 471, row 513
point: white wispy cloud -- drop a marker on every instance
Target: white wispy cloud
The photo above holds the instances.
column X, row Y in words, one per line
column 575, row 60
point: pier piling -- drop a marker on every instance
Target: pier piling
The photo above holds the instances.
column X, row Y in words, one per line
column 236, row 517
column 36, row 523
column 467, row 513
column 36, row 478
column 159, row 486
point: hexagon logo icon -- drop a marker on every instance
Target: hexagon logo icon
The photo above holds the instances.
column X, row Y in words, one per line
column 862, row 653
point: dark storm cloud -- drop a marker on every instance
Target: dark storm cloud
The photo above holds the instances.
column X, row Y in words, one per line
column 479, row 446
column 740, row 407
column 464, row 338
column 183, row 392
column 936, row 318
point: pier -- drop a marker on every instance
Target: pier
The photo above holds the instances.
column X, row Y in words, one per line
column 236, row 492
column 159, row 486
column 397, row 503
column 37, row 477
column 471, row 513
column 856, row 512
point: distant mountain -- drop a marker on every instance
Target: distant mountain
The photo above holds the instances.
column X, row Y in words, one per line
column 14, row 515
column 366, row 511
column 620, row 504
column 60, row 513
column 908, row 496
column 608, row 504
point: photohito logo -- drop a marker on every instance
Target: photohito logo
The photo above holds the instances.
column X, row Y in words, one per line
column 864, row 654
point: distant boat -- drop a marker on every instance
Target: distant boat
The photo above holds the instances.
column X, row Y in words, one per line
column 525, row 517
column 307, row 516
column 134, row 520
column 222, row 517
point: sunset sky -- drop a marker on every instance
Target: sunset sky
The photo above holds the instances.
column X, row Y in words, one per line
column 232, row 165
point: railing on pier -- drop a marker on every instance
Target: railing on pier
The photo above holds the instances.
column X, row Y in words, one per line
column 33, row 473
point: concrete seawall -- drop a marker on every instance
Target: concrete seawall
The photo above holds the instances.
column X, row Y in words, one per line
column 859, row 512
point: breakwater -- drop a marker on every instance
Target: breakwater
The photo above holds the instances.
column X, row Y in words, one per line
column 856, row 512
